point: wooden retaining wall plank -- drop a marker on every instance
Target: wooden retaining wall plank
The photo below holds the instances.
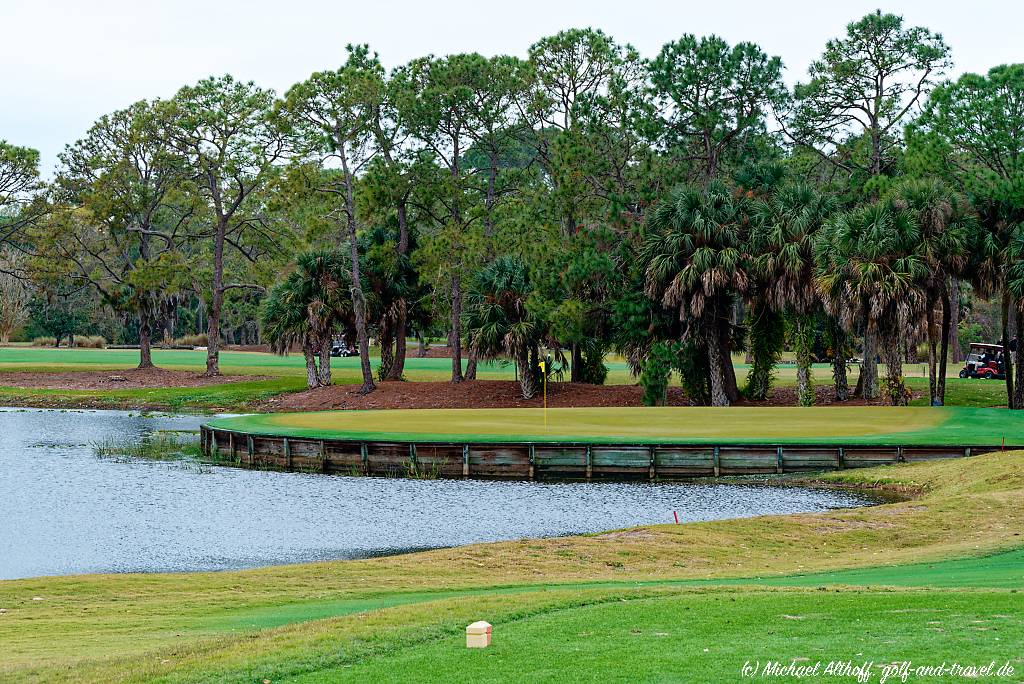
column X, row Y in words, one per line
column 741, row 460
column 801, row 458
column 684, row 461
column 866, row 457
column 526, row 461
column 500, row 460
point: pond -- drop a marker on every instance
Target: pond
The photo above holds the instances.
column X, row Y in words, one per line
column 65, row 510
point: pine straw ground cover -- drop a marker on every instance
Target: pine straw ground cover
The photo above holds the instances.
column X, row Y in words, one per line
column 936, row 576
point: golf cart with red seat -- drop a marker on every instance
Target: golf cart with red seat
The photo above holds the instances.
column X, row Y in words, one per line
column 984, row 361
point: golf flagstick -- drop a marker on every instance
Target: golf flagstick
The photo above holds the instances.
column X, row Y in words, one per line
column 544, row 371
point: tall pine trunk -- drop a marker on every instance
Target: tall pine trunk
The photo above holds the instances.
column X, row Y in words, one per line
column 1007, row 356
column 387, row 358
column 455, row 330
column 358, row 299
column 401, row 306
column 1018, row 386
column 953, row 302
column 145, row 337
column 397, row 371
column 947, row 322
column 216, row 303
column 359, row 308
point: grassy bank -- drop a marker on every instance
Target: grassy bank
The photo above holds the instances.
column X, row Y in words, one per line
column 689, row 425
column 643, row 603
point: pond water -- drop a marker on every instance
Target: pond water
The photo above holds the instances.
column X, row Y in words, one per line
column 64, row 510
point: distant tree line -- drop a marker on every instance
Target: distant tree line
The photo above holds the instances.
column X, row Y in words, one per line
column 584, row 200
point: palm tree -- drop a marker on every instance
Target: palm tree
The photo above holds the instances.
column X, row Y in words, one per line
column 995, row 255
column 785, row 227
column 498, row 322
column 1015, row 286
column 946, row 222
column 308, row 306
column 871, row 266
column 694, row 265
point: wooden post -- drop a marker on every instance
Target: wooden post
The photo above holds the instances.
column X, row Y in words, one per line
column 778, row 460
column 287, row 453
column 323, row 457
column 465, row 460
column 716, row 461
column 651, row 473
column 841, row 458
column 899, row 455
column 532, row 460
column 249, row 448
column 412, row 459
column 364, row 454
column 231, row 445
column 590, row 462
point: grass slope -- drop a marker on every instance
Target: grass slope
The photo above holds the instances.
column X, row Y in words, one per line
column 691, row 425
column 571, row 609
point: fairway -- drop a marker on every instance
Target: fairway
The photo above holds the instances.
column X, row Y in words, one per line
column 664, row 425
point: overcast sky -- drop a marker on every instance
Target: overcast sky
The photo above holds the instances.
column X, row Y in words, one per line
column 66, row 62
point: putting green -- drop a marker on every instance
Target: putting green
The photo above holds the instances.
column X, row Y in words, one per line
column 662, row 425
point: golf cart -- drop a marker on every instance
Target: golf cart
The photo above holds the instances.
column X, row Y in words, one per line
column 341, row 348
column 984, row 361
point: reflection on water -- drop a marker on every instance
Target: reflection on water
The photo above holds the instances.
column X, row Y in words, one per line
column 66, row 511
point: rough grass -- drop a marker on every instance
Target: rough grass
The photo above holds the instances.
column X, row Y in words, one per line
column 691, row 425
column 332, row 621
column 158, row 446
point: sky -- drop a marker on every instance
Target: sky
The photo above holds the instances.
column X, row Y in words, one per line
column 67, row 62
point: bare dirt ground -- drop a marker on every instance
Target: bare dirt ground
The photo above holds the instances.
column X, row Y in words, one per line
column 119, row 379
column 495, row 394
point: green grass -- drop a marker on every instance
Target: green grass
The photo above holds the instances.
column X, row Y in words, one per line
column 710, row 637
column 288, row 372
column 231, row 363
column 231, row 396
column 693, row 425
column 939, row 576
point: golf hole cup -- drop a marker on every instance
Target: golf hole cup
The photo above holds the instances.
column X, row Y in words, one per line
column 478, row 635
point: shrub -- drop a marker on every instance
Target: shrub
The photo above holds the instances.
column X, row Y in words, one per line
column 90, row 341
column 656, row 371
column 44, row 341
column 199, row 340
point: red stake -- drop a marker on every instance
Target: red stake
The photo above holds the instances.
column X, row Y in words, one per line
column 676, row 516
